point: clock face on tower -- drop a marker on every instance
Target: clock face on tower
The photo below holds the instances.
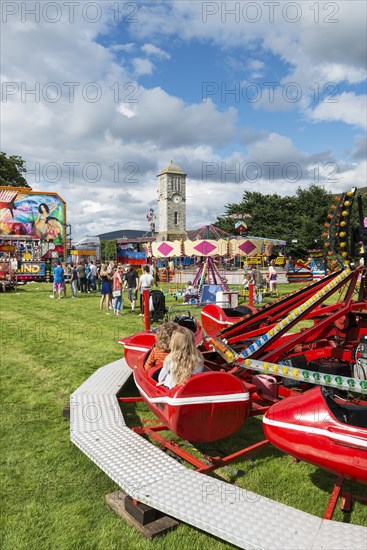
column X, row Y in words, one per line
column 176, row 198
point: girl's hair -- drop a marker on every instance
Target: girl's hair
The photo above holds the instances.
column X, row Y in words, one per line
column 184, row 354
column 103, row 270
column 45, row 207
column 164, row 334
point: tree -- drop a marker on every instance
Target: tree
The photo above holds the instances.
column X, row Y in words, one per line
column 108, row 250
column 11, row 170
column 298, row 218
column 313, row 206
column 270, row 215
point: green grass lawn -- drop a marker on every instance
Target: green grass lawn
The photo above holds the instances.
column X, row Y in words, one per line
column 52, row 494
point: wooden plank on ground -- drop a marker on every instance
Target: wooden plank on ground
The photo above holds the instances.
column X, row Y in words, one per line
column 159, row 526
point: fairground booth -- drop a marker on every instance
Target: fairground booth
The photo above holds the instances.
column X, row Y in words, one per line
column 32, row 231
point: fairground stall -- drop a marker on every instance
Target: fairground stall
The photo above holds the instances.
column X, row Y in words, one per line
column 87, row 249
column 32, row 231
column 132, row 251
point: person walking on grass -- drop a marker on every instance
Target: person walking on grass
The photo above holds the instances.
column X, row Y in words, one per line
column 272, row 278
column 132, row 285
column 65, row 268
column 82, row 277
column 87, row 277
column 145, row 283
column 98, row 277
column 58, row 285
column 117, row 291
column 92, row 275
column 106, row 289
column 74, row 282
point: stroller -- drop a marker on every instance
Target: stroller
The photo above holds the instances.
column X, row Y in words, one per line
column 157, row 306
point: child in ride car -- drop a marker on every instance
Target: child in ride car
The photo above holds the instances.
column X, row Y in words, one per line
column 183, row 361
column 162, row 346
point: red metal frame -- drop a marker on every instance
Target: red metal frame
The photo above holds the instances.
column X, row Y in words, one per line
column 346, row 496
column 251, row 293
column 146, row 295
column 215, row 462
column 324, row 318
column 327, row 338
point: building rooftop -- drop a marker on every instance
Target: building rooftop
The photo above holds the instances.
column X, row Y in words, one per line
column 124, row 234
column 172, row 168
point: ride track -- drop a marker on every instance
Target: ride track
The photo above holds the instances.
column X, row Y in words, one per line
column 235, row 515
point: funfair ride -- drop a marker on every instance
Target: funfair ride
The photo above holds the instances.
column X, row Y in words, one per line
column 326, row 426
column 323, row 364
column 274, row 359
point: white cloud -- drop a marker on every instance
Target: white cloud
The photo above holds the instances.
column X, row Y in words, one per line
column 125, row 110
column 130, row 47
column 256, row 68
column 325, row 43
column 346, row 107
column 339, row 72
column 355, row 176
column 110, row 151
column 150, row 49
column 168, row 121
column 142, row 66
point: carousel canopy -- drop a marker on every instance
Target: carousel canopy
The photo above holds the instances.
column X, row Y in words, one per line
column 207, row 232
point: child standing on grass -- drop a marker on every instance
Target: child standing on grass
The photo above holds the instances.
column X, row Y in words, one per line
column 183, row 361
column 162, row 345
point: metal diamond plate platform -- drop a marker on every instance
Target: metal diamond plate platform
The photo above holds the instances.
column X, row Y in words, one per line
column 141, row 469
column 91, row 412
column 231, row 513
column 107, row 379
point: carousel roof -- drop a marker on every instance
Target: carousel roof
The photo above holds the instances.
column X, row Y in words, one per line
column 207, row 232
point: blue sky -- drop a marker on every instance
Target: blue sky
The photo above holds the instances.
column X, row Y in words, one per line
column 179, row 62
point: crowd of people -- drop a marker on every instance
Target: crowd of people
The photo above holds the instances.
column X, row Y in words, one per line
column 110, row 280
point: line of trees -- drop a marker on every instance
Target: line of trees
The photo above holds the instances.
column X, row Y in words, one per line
column 299, row 218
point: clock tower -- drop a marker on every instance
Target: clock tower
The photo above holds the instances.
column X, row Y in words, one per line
column 171, row 204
